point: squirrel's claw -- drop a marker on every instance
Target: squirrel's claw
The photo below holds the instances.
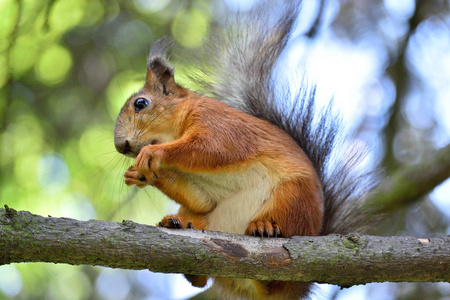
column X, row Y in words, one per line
column 264, row 228
column 173, row 221
column 132, row 178
column 148, row 162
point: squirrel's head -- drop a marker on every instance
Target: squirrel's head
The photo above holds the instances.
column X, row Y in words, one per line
column 150, row 116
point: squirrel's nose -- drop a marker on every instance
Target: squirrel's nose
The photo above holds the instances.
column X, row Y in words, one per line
column 122, row 146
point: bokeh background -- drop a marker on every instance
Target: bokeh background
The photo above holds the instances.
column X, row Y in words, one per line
column 66, row 68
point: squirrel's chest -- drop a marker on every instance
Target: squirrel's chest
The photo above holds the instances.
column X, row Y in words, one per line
column 237, row 196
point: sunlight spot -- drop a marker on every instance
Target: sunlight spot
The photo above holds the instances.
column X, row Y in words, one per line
column 10, row 280
column 77, row 206
column 53, row 173
column 113, row 284
column 152, row 5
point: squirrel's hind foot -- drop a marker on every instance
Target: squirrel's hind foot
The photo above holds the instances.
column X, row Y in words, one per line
column 172, row 221
column 264, row 228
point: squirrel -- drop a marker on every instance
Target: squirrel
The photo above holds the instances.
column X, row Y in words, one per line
column 238, row 157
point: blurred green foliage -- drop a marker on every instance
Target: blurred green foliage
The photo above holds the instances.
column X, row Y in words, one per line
column 66, row 68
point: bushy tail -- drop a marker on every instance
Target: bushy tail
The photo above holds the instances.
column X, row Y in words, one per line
column 236, row 67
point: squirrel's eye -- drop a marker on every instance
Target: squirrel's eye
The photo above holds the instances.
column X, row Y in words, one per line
column 140, row 104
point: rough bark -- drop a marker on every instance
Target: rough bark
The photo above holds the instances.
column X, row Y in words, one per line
column 343, row 260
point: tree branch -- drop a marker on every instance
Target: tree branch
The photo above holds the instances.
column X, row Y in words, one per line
column 410, row 183
column 402, row 79
column 343, row 260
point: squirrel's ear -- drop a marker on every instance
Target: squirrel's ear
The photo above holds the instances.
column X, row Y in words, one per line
column 160, row 76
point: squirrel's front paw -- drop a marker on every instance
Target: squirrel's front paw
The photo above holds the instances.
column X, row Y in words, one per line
column 263, row 228
column 173, row 221
column 132, row 178
column 148, row 162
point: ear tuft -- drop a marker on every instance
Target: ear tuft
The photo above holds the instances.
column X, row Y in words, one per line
column 160, row 74
column 156, row 60
column 161, row 68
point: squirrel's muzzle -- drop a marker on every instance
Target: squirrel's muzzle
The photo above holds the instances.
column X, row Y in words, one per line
column 126, row 147
column 122, row 146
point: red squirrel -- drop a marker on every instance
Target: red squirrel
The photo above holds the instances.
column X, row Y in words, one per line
column 239, row 161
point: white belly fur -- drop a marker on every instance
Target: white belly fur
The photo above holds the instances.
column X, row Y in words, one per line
column 238, row 196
